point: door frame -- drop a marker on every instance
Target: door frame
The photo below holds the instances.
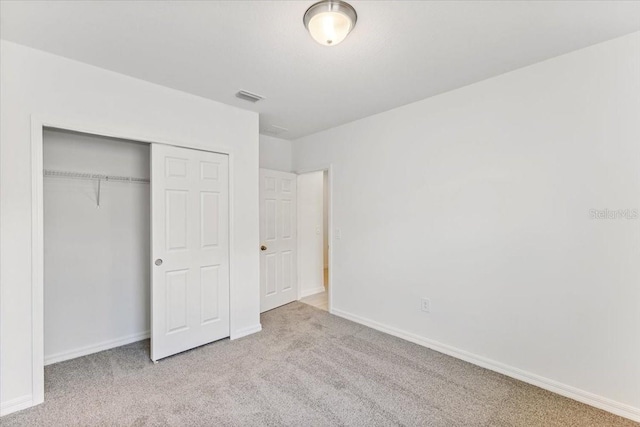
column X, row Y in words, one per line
column 330, row 233
column 38, row 124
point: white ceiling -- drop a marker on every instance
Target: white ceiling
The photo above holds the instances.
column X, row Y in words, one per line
column 399, row 52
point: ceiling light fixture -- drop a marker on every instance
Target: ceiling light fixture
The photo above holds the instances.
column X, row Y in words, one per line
column 330, row 21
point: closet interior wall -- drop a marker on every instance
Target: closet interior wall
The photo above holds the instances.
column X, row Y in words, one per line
column 96, row 258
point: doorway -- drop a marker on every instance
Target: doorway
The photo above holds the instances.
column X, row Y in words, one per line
column 313, row 241
column 295, row 241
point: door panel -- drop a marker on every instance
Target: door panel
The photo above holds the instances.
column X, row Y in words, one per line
column 278, row 275
column 190, row 246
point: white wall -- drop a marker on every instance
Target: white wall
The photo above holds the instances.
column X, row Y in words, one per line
column 275, row 153
column 96, row 259
column 310, row 235
column 479, row 199
column 37, row 83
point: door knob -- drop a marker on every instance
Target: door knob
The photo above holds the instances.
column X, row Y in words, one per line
column 263, row 248
column 158, row 262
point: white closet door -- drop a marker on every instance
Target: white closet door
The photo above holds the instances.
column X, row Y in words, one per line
column 278, row 273
column 190, row 249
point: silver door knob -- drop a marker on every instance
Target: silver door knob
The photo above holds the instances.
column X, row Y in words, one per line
column 158, row 262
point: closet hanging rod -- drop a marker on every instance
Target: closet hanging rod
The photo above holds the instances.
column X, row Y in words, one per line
column 94, row 177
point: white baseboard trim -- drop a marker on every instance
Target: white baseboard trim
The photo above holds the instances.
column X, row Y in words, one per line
column 308, row 292
column 17, row 404
column 571, row 392
column 246, row 331
column 94, row 348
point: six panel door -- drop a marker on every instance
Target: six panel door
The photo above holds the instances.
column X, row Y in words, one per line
column 190, row 249
column 278, row 273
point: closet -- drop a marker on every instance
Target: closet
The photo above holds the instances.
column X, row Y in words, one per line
column 96, row 243
column 125, row 243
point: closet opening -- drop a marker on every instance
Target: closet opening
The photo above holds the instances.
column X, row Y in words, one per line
column 97, row 222
column 130, row 240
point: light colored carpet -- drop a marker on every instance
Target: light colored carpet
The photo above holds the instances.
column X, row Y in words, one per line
column 306, row 368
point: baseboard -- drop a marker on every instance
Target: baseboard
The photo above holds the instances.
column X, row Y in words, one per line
column 246, row 331
column 17, row 404
column 571, row 392
column 94, row 348
column 308, row 292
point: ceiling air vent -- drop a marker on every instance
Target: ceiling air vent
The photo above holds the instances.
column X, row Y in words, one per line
column 248, row 96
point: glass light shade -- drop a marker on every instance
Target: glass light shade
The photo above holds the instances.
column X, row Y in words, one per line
column 329, row 28
column 330, row 21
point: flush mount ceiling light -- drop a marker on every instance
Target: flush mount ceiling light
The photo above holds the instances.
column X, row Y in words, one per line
column 330, row 21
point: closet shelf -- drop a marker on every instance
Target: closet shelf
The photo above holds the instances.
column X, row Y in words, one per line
column 92, row 176
column 48, row 173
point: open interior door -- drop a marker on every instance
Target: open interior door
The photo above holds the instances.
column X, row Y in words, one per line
column 278, row 272
column 190, row 249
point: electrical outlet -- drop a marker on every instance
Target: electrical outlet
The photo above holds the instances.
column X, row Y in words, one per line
column 425, row 305
column 338, row 234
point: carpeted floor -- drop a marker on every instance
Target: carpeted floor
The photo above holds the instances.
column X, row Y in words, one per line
column 306, row 368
